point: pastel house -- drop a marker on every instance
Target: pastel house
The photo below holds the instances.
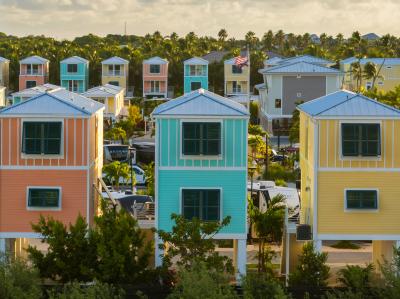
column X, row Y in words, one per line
column 201, row 165
column 289, row 81
column 111, row 96
column 74, row 74
column 195, row 74
column 33, row 71
column 237, row 81
column 350, row 169
column 28, row 93
column 50, row 159
column 388, row 71
column 155, row 78
column 115, row 71
column 4, row 72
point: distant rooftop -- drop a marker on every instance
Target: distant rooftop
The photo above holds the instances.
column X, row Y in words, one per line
column 299, row 67
column 195, row 60
column 30, row 92
column 74, row 59
column 103, row 91
column 34, row 60
column 385, row 61
column 155, row 60
column 115, row 60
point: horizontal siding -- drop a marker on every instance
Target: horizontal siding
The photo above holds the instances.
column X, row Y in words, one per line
column 332, row 219
column 233, row 184
column 234, row 138
column 14, row 217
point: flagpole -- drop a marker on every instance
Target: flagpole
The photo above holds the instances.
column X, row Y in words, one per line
column 248, row 80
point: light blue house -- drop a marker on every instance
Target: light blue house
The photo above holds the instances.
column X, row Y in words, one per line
column 195, row 74
column 74, row 74
column 201, row 164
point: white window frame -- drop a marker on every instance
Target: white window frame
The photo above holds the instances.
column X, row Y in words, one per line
column 44, row 156
column 71, row 84
column 153, row 86
column 198, row 70
column 76, row 68
column 361, row 121
column 159, row 67
column 201, row 157
column 44, row 208
column 347, row 210
column 202, row 188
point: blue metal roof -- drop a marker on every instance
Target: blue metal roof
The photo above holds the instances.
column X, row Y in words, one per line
column 377, row 61
column 299, row 67
column 307, row 58
column 344, row 103
column 201, row 103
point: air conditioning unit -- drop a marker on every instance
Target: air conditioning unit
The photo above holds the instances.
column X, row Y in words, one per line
column 303, row 232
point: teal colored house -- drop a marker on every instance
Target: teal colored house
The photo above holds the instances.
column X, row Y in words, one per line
column 74, row 74
column 195, row 74
column 201, row 165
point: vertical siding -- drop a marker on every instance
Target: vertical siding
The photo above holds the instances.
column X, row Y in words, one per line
column 330, row 147
column 233, row 145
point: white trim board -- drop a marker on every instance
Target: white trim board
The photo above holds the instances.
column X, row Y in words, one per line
column 201, row 168
column 356, row 237
column 15, row 235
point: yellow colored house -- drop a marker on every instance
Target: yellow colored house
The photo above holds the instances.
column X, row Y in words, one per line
column 115, row 71
column 111, row 96
column 237, row 81
column 388, row 68
column 350, row 170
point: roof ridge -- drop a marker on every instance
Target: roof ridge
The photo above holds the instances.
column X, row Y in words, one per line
column 337, row 104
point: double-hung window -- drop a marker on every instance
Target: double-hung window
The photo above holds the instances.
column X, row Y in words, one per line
column 203, row 204
column 361, row 140
column 361, row 199
column 201, row 138
column 155, row 86
column 44, row 198
column 72, row 68
column 236, row 69
column 197, row 70
column 41, row 138
column 154, row 68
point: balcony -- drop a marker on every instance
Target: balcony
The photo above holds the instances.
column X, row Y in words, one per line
column 113, row 73
column 31, row 73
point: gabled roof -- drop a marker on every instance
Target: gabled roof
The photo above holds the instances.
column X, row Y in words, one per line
column 344, row 103
column 196, row 60
column 371, row 36
column 2, row 59
column 103, row 91
column 299, row 67
column 201, row 103
column 59, row 102
column 377, row 61
column 273, row 61
column 34, row 60
column 115, row 60
column 307, row 58
column 155, row 60
column 74, row 59
column 30, row 92
column 218, row 56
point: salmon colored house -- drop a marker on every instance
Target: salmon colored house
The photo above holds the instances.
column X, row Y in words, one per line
column 33, row 71
column 155, row 78
column 50, row 160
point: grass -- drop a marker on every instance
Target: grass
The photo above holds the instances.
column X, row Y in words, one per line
column 345, row 245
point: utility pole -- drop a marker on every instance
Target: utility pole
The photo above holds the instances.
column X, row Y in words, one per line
column 125, row 29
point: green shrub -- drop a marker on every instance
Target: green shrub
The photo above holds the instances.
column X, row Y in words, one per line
column 260, row 286
column 95, row 291
column 278, row 172
column 18, row 280
column 200, row 282
column 281, row 183
column 311, row 271
column 253, row 112
column 345, row 244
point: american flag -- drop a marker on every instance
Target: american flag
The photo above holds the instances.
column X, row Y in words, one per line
column 241, row 61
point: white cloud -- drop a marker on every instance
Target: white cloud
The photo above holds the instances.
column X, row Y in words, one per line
column 69, row 18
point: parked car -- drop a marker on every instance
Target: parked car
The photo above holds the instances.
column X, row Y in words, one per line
column 139, row 174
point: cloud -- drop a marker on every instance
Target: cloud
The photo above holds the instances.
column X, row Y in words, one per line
column 70, row 18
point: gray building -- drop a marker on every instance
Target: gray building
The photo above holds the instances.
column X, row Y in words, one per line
column 288, row 81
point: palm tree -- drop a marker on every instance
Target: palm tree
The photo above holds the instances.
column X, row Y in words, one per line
column 268, row 226
column 356, row 72
column 115, row 171
column 371, row 72
column 222, row 35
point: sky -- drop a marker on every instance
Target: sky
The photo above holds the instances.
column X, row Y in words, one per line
column 70, row 18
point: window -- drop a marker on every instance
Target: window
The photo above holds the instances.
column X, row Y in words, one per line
column 197, row 70
column 41, row 138
column 278, row 103
column 154, row 68
column 72, row 68
column 236, row 69
column 73, row 85
column 195, row 85
column 361, row 140
column 32, row 69
column 44, row 197
column 115, row 83
column 201, row 138
column 203, row 204
column 380, row 83
column 114, row 69
column 368, row 85
column 237, row 88
column 30, row 83
column 298, row 94
column 362, row 199
column 155, row 86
